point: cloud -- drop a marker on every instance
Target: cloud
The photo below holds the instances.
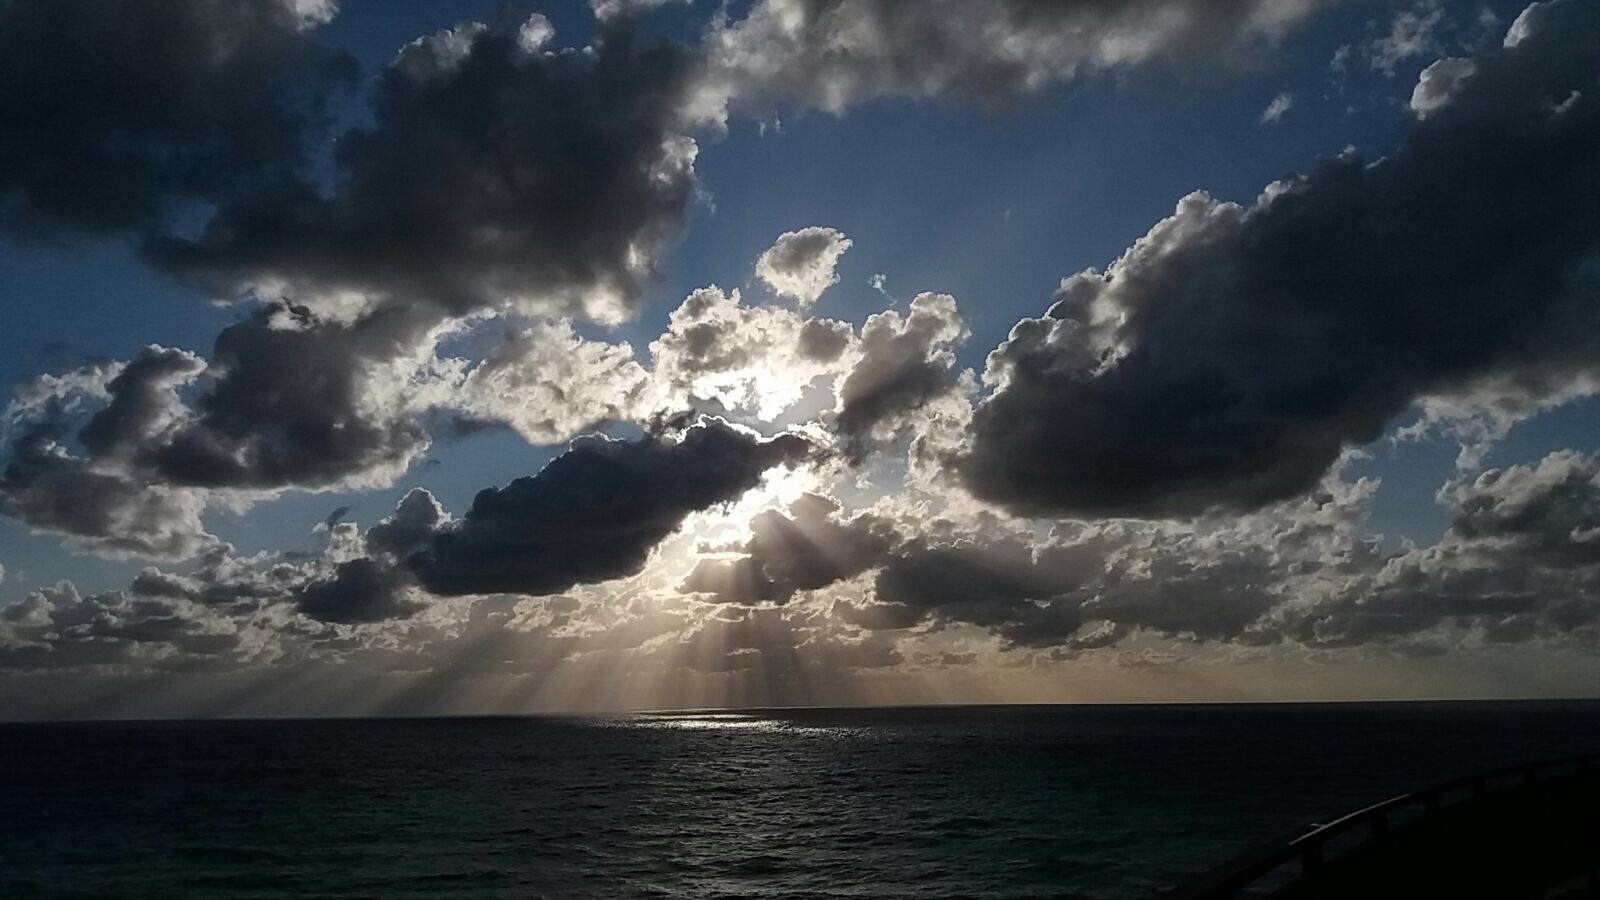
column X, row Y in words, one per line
column 1275, row 110
column 49, row 488
column 118, row 112
column 501, row 192
column 1230, row 356
column 745, row 358
column 489, row 173
column 610, row 10
column 549, row 384
column 359, row 591
column 1412, row 33
column 595, row 512
column 993, row 585
column 294, row 401
column 124, row 457
column 1437, row 83
column 57, row 628
column 1520, row 562
column 1549, row 513
column 410, row 529
column 904, row 363
column 805, row 549
column 800, row 264
column 833, row 54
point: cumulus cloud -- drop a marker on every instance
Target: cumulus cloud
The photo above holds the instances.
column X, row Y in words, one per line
column 57, row 627
column 222, row 580
column 125, row 457
column 502, row 191
column 745, row 358
column 1230, row 356
column 490, row 172
column 803, row 549
column 832, row 54
column 416, row 519
column 994, row 585
column 287, row 401
column 549, row 384
column 800, row 264
column 117, row 110
column 904, row 363
column 1521, row 561
column 595, row 512
column 50, row 487
column 359, row 590
column 1437, row 83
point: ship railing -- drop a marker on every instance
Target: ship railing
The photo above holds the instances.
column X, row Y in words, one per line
column 1304, row 852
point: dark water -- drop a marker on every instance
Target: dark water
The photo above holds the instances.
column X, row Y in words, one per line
column 948, row 802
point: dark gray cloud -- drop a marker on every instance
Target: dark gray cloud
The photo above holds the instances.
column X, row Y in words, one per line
column 359, row 591
column 143, row 403
column 1233, row 353
column 493, row 170
column 1176, row 583
column 1521, row 561
column 117, row 112
column 417, row 518
column 1026, row 597
column 222, row 580
column 807, row 549
column 292, row 403
column 120, row 455
column 286, row 400
column 595, row 512
column 904, row 363
column 1549, row 513
column 832, row 54
column 58, row 628
column 47, row 487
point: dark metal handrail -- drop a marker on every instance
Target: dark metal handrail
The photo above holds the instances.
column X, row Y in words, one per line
column 1308, row 846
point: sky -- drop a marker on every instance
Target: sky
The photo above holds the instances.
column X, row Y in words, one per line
column 494, row 357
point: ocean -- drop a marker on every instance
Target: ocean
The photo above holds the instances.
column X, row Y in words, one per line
column 1008, row 801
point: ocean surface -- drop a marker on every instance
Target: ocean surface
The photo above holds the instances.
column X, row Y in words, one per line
column 1060, row 801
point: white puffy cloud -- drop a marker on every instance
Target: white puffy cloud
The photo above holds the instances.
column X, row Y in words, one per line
column 549, row 384
column 800, row 264
column 755, row 359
